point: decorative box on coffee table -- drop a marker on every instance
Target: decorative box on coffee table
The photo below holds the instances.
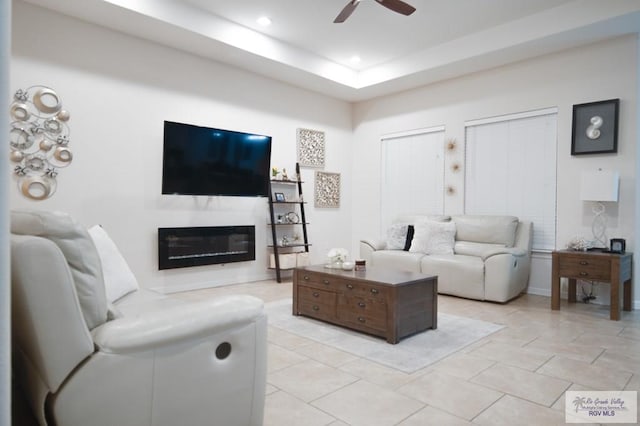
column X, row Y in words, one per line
column 387, row 303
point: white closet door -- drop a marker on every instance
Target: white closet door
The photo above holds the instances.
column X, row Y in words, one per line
column 412, row 175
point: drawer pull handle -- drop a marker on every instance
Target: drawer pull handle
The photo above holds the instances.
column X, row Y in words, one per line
column 374, row 290
column 316, row 294
column 584, row 274
column 325, row 282
column 361, row 319
column 584, row 262
column 306, row 278
column 361, row 304
column 350, row 286
column 316, row 307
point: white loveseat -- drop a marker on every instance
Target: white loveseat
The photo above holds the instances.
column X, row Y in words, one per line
column 146, row 359
column 474, row 256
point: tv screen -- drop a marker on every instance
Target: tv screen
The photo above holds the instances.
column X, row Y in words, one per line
column 205, row 161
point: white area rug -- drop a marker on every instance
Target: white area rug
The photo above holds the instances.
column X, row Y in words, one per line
column 409, row 355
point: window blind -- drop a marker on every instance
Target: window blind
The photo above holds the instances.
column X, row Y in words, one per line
column 511, row 170
column 412, row 174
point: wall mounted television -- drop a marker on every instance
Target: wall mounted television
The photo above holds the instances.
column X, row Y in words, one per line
column 206, row 161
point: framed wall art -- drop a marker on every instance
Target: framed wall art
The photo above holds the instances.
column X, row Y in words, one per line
column 595, row 127
column 327, row 189
column 310, row 147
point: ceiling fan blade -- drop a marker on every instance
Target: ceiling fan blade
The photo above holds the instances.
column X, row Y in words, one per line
column 398, row 6
column 346, row 12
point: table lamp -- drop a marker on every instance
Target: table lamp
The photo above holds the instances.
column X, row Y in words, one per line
column 599, row 186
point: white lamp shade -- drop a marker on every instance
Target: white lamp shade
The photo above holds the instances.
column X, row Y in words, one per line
column 601, row 185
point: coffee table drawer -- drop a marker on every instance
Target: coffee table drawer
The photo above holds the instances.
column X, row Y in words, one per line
column 363, row 312
column 316, row 303
column 356, row 289
column 318, row 280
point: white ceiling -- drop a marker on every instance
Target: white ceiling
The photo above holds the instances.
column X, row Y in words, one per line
column 302, row 46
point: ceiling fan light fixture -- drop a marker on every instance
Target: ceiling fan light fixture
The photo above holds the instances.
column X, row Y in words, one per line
column 397, row 6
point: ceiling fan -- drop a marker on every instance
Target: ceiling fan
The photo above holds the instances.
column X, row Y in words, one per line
column 396, row 5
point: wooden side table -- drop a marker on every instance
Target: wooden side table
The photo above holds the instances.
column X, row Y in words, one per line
column 592, row 266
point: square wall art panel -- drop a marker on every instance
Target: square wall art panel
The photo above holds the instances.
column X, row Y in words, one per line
column 310, row 145
column 327, row 189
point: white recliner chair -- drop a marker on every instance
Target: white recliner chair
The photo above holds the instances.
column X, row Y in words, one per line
column 84, row 362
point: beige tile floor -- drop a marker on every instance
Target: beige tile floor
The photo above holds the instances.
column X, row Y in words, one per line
column 517, row 376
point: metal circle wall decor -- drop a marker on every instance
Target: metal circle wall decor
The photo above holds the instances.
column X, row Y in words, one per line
column 38, row 140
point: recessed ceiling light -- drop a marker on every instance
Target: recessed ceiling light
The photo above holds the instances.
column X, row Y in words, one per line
column 264, row 21
column 355, row 59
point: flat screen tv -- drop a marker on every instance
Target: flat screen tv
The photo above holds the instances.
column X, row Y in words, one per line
column 205, row 161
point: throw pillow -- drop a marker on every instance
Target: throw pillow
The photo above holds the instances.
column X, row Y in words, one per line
column 397, row 236
column 409, row 240
column 118, row 278
column 433, row 237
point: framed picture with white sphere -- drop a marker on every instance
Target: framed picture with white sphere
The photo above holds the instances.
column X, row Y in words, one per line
column 595, row 127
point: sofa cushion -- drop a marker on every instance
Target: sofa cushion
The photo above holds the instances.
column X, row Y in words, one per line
column 458, row 275
column 80, row 253
column 397, row 260
column 486, row 229
column 470, row 248
column 432, row 237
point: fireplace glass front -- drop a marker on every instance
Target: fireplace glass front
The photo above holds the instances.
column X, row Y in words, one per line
column 205, row 245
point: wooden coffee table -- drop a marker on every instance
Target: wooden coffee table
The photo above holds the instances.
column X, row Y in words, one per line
column 378, row 301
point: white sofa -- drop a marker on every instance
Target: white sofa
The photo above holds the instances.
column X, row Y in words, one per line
column 146, row 359
column 474, row 256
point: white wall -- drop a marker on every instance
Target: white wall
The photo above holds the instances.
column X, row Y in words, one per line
column 119, row 89
column 601, row 71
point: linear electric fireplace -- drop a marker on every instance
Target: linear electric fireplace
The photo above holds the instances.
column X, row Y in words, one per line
column 205, row 245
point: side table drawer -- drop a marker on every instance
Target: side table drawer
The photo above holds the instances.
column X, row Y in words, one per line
column 316, row 303
column 585, row 268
